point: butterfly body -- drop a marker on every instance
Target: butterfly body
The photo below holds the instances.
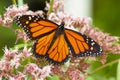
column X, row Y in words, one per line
column 55, row 42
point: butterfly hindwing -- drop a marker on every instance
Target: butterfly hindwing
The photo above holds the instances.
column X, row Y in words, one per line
column 58, row 53
column 35, row 26
column 81, row 45
column 41, row 45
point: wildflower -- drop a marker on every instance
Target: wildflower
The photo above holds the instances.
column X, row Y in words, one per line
column 36, row 72
column 53, row 17
column 75, row 75
column 10, row 77
column 9, row 54
column 26, row 52
column 5, row 66
column 45, row 72
column 20, row 76
column 7, row 22
column 58, row 5
column 21, row 35
column 103, row 59
column 30, row 68
column 11, row 12
column 15, row 62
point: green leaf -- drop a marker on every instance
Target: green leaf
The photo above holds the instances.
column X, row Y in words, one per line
column 118, row 70
column 53, row 77
column 89, row 78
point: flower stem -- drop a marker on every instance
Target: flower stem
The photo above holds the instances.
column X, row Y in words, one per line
column 112, row 62
column 51, row 6
column 14, row 2
column 118, row 71
column 20, row 3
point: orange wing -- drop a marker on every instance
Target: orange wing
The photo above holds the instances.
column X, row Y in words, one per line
column 81, row 45
column 58, row 51
column 55, row 52
column 42, row 44
column 35, row 26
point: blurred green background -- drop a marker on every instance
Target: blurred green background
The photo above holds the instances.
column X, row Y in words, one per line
column 105, row 16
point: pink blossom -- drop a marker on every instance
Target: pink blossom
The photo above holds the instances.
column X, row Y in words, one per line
column 15, row 62
column 103, row 59
column 45, row 72
column 20, row 76
column 116, row 48
column 10, row 77
column 21, row 35
column 75, row 75
column 36, row 72
column 7, row 21
column 30, row 68
column 58, row 5
column 9, row 65
column 61, row 16
column 53, row 17
column 13, row 10
column 5, row 66
column 26, row 52
column 9, row 54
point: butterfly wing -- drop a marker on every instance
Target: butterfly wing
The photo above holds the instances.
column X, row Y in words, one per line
column 55, row 50
column 58, row 53
column 41, row 45
column 81, row 45
column 35, row 26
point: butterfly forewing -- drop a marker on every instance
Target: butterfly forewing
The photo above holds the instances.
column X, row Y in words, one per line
column 81, row 45
column 35, row 26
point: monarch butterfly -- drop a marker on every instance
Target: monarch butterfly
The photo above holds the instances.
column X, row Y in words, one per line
column 55, row 42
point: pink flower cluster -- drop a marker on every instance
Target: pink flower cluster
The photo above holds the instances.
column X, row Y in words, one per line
column 36, row 72
column 57, row 6
column 13, row 60
column 10, row 13
column 75, row 75
column 21, row 35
